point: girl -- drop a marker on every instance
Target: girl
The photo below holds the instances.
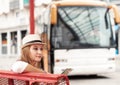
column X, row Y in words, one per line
column 31, row 55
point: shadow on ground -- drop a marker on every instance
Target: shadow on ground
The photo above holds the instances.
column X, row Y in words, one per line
column 88, row 77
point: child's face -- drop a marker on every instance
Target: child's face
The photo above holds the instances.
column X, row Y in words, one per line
column 36, row 52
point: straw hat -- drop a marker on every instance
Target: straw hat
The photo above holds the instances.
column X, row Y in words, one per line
column 31, row 39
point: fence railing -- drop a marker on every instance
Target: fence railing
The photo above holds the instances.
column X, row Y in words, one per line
column 30, row 78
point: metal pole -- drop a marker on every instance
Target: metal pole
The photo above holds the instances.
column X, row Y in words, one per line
column 32, row 27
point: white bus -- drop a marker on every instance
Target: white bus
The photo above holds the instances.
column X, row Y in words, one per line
column 80, row 36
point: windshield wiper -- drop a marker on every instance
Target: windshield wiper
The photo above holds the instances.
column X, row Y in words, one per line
column 106, row 20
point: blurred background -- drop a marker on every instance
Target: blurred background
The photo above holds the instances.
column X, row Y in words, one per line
column 14, row 24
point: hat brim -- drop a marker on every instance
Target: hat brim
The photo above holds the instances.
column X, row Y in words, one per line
column 35, row 43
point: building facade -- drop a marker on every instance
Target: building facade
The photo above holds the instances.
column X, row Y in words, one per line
column 14, row 23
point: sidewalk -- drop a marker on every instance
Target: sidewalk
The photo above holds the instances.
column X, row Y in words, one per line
column 6, row 62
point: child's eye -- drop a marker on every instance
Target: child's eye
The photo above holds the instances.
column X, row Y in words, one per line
column 35, row 48
column 38, row 49
column 41, row 49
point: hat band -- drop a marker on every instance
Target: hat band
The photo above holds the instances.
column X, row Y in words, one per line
column 34, row 41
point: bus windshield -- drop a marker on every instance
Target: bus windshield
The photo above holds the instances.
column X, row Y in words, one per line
column 83, row 27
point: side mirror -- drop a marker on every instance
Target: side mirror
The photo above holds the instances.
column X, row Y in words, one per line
column 53, row 14
column 116, row 13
